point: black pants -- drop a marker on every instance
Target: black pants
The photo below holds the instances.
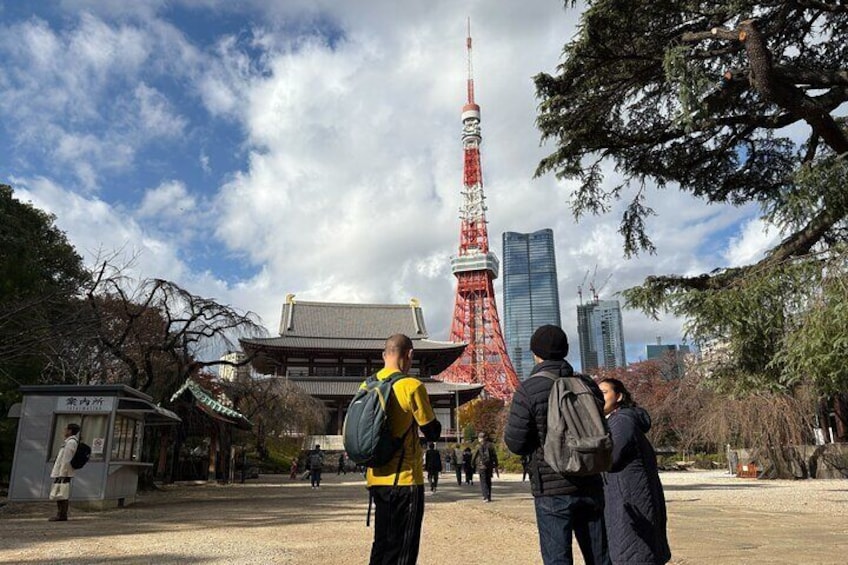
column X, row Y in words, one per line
column 469, row 476
column 315, row 475
column 485, row 477
column 398, row 514
column 433, row 478
column 459, row 475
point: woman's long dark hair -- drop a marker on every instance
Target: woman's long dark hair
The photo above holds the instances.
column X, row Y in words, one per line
column 619, row 388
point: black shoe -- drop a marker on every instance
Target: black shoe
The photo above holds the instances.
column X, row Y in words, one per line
column 58, row 519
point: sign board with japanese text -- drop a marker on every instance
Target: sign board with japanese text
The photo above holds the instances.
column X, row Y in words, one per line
column 86, row 404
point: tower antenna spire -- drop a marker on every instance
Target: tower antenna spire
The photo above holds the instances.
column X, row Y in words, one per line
column 470, row 64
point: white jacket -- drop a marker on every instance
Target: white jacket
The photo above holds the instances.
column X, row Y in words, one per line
column 62, row 466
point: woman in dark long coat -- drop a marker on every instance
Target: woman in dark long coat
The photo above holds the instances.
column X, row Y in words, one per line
column 634, row 506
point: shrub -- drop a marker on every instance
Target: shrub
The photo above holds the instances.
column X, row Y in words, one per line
column 279, row 453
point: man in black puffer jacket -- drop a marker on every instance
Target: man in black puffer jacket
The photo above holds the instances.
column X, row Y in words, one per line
column 564, row 503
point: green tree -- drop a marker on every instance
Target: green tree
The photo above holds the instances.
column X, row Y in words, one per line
column 700, row 96
column 40, row 276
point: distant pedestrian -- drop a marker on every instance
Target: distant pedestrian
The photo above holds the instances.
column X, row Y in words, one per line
column 433, row 466
column 293, row 469
column 468, row 466
column 635, row 512
column 316, row 465
column 342, row 461
column 62, row 473
column 456, row 459
column 486, row 462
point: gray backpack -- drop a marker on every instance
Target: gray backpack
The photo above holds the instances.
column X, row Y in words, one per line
column 578, row 440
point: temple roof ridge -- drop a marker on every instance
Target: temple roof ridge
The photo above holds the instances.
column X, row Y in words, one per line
column 313, row 319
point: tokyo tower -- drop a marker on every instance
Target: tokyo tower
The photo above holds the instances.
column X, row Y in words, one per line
column 475, row 315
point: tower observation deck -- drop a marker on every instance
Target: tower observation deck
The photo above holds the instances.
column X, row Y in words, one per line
column 475, row 317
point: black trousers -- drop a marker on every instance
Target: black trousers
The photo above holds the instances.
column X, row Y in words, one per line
column 485, row 477
column 459, row 475
column 433, row 479
column 398, row 514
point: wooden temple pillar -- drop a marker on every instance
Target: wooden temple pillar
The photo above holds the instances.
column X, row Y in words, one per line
column 339, row 416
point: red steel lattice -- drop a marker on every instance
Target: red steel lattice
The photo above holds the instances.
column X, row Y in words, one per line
column 475, row 315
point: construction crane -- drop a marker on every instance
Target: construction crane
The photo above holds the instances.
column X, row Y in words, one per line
column 580, row 287
column 597, row 291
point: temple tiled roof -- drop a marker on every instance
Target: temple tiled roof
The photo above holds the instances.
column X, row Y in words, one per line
column 342, row 320
column 330, row 327
column 210, row 404
column 358, row 344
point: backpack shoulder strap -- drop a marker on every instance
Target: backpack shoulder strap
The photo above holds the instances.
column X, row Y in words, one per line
column 395, row 377
column 549, row 374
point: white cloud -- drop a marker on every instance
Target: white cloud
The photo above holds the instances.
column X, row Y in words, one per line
column 353, row 169
column 156, row 116
column 204, row 162
column 750, row 245
column 169, row 200
column 98, row 229
column 77, row 94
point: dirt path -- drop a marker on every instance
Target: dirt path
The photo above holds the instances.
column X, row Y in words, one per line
column 712, row 519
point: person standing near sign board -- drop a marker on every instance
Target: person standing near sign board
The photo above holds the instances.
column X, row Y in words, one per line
column 63, row 472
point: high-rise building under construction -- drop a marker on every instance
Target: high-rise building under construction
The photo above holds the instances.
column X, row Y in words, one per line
column 601, row 335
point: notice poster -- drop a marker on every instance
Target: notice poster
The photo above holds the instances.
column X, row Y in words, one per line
column 97, row 445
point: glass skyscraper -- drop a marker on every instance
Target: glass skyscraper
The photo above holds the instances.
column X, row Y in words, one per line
column 531, row 296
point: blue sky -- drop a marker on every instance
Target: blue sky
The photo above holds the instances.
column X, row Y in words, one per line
column 251, row 149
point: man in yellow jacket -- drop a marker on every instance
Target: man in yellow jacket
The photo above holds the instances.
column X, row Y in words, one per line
column 399, row 510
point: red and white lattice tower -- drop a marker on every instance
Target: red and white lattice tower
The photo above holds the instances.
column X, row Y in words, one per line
column 475, row 315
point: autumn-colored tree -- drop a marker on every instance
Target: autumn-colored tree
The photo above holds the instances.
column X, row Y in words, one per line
column 650, row 390
column 484, row 415
column 276, row 407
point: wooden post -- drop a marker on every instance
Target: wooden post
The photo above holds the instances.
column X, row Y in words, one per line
column 211, row 474
column 339, row 417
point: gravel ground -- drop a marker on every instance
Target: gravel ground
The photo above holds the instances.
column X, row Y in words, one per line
column 713, row 518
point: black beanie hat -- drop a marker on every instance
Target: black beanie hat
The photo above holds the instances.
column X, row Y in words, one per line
column 549, row 343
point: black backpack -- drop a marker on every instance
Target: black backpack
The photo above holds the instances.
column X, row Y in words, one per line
column 316, row 460
column 485, row 455
column 368, row 439
column 81, row 455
